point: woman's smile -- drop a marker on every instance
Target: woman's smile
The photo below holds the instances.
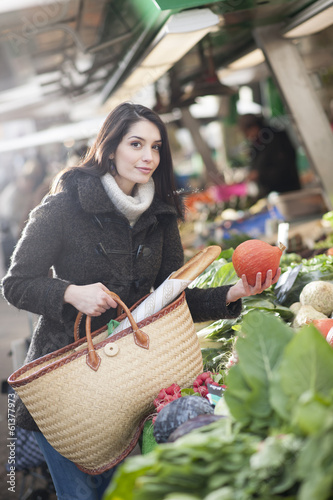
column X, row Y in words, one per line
column 144, row 170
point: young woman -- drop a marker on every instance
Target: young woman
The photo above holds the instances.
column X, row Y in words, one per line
column 109, row 223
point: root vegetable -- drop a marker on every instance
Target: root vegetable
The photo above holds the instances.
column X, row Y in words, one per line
column 306, row 315
column 319, row 295
column 295, row 307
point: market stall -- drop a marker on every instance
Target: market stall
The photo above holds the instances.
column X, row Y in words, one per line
column 226, row 216
column 267, row 432
column 257, row 422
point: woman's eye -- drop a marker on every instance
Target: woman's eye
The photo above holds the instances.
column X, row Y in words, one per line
column 135, row 144
column 157, row 147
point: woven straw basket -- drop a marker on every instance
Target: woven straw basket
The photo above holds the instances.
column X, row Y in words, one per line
column 90, row 399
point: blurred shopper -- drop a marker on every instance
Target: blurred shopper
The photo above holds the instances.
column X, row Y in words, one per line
column 77, row 155
column 273, row 165
column 15, row 203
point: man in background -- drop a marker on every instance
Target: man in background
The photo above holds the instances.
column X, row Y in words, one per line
column 273, row 164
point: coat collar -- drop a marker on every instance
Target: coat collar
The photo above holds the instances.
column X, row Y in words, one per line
column 94, row 200
column 92, row 195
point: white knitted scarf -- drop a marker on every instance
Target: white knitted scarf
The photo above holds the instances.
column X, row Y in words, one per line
column 130, row 206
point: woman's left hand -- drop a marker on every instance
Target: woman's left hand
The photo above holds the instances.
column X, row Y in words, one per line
column 243, row 289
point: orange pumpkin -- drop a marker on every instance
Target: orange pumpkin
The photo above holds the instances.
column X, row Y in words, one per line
column 254, row 256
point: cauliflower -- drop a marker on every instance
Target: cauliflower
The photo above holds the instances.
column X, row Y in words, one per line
column 306, row 315
column 295, row 307
column 319, row 295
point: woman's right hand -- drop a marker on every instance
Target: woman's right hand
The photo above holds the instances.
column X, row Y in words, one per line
column 92, row 300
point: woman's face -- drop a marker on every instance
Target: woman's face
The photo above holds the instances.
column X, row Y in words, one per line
column 137, row 155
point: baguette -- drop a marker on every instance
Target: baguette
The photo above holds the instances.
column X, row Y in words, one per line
column 197, row 264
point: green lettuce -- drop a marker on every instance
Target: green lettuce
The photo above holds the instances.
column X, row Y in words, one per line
column 274, row 442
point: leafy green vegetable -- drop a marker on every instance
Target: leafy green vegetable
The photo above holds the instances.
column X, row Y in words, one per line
column 219, row 329
column 315, row 269
column 213, row 462
column 197, row 464
column 218, row 273
column 188, row 391
column 311, row 413
column 224, row 328
column 315, row 466
column 275, row 440
column 308, row 363
column 215, row 360
column 260, row 350
column 328, row 241
column 227, row 254
column 274, row 462
column 289, row 258
column 266, row 301
column 329, row 217
column 181, row 496
column 132, row 469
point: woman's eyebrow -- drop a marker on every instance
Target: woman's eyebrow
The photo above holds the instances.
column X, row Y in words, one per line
column 142, row 139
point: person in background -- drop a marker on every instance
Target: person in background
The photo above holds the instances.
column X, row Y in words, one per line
column 273, row 165
column 16, row 201
column 77, row 155
column 110, row 223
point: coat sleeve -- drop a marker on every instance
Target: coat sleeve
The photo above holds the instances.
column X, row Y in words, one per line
column 204, row 304
column 28, row 284
column 209, row 304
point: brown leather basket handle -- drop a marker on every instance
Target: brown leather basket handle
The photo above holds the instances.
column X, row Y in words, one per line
column 93, row 359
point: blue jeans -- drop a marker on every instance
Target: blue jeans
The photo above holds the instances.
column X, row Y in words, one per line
column 70, row 483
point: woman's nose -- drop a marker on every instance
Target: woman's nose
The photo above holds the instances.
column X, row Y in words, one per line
column 147, row 155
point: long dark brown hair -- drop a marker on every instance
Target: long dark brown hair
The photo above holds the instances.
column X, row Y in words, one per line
column 118, row 122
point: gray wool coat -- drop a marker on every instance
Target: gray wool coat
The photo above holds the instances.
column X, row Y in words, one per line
column 82, row 238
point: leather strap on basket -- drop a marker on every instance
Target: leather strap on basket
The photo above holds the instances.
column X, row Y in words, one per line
column 93, row 360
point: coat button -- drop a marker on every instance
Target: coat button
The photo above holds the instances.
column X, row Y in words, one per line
column 111, row 349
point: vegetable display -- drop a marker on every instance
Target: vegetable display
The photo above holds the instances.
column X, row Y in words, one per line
column 319, row 268
column 217, row 339
column 254, row 256
column 274, row 437
column 275, row 440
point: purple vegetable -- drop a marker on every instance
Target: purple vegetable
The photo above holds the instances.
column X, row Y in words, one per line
column 176, row 413
column 192, row 424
